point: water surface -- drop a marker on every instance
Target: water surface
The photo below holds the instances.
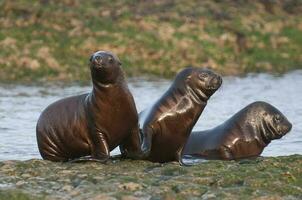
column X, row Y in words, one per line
column 21, row 105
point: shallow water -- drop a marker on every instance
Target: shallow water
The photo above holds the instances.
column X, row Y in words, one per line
column 20, row 107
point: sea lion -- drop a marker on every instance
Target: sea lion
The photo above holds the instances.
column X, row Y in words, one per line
column 165, row 126
column 90, row 124
column 244, row 135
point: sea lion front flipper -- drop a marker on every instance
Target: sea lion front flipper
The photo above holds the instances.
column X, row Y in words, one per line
column 147, row 136
column 99, row 148
column 179, row 157
column 131, row 147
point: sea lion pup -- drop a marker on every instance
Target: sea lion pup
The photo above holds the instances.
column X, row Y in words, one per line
column 166, row 126
column 244, row 135
column 90, row 124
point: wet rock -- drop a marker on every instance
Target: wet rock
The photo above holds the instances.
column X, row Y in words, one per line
column 262, row 178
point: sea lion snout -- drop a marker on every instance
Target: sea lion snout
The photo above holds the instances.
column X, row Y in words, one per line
column 99, row 60
column 288, row 128
column 285, row 127
column 103, row 58
column 215, row 82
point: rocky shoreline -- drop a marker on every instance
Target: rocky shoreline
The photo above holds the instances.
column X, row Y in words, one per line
column 261, row 178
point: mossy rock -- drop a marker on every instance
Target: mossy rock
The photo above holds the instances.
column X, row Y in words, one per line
column 275, row 178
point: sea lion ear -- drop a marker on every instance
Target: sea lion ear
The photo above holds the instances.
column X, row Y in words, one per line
column 91, row 57
column 208, row 67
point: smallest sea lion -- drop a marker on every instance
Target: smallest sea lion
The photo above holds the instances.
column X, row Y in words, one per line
column 244, row 135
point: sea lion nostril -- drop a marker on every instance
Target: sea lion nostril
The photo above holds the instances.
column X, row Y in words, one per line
column 97, row 58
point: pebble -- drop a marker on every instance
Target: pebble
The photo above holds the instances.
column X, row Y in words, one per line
column 67, row 188
column 103, row 197
column 131, row 186
column 20, row 183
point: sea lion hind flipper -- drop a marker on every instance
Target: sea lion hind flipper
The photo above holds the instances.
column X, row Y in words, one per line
column 191, row 160
column 88, row 159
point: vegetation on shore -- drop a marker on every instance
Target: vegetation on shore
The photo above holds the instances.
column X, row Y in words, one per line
column 52, row 40
column 262, row 178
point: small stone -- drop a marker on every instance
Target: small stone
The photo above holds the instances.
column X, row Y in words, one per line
column 26, row 175
column 103, row 197
column 82, row 175
column 130, row 186
column 66, row 172
column 74, row 193
column 208, row 196
column 20, row 183
column 130, row 198
column 67, row 188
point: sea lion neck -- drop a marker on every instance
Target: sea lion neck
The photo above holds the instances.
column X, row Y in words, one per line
column 202, row 95
column 103, row 78
column 197, row 94
column 263, row 130
column 251, row 117
column 98, row 85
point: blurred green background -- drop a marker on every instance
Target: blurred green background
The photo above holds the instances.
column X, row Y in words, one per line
column 53, row 39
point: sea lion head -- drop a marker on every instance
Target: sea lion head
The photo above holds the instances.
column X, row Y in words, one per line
column 201, row 81
column 105, row 67
column 273, row 124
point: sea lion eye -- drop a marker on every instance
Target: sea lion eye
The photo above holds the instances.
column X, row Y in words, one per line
column 203, row 76
column 110, row 59
column 277, row 118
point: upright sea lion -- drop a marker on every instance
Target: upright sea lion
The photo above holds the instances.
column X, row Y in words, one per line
column 90, row 124
column 244, row 135
column 166, row 126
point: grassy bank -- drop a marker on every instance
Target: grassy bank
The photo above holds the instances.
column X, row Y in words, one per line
column 263, row 178
column 46, row 40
